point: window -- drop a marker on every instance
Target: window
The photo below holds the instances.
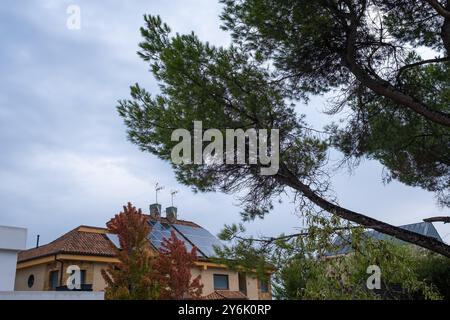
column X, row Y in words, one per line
column 221, row 282
column 242, row 277
column 83, row 277
column 263, row 286
column 30, row 281
column 54, row 275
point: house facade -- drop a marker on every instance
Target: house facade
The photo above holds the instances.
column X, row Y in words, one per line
column 92, row 249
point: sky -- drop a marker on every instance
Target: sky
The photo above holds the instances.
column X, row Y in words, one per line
column 64, row 157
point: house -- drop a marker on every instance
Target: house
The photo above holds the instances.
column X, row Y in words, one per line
column 91, row 249
column 424, row 228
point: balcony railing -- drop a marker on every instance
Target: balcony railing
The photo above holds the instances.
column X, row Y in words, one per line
column 84, row 287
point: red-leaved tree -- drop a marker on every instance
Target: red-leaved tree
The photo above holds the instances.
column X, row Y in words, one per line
column 173, row 270
column 132, row 277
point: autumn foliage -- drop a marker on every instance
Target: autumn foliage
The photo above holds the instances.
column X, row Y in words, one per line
column 132, row 277
column 173, row 269
column 142, row 274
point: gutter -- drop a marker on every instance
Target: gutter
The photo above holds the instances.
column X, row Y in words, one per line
column 60, row 270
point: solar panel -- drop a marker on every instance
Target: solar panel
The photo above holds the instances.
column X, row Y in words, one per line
column 201, row 238
column 114, row 239
column 161, row 231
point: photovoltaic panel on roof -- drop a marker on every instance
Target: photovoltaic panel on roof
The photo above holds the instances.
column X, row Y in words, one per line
column 161, row 231
column 114, row 239
column 201, row 238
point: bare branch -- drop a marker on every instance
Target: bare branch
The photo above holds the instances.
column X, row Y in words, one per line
column 421, row 63
column 269, row 240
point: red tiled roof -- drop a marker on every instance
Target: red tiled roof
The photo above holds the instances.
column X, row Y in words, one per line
column 73, row 242
column 225, row 295
column 80, row 242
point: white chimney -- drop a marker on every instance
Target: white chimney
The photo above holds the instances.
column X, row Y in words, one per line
column 155, row 211
column 171, row 214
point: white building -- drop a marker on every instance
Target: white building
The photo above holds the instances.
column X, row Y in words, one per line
column 12, row 240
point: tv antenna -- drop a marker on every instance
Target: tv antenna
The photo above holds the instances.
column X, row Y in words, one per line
column 157, row 189
column 172, row 194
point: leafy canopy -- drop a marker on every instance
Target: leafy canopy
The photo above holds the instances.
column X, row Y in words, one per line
column 173, row 270
column 369, row 54
column 224, row 88
column 310, row 265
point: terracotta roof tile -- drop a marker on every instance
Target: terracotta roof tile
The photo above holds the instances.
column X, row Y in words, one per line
column 73, row 242
column 80, row 242
column 225, row 295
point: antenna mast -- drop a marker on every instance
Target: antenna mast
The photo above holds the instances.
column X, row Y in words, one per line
column 172, row 194
column 157, row 189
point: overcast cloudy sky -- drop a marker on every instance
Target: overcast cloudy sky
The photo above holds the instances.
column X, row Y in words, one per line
column 64, row 157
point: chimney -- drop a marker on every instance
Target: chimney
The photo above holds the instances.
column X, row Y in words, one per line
column 171, row 214
column 155, row 211
column 37, row 241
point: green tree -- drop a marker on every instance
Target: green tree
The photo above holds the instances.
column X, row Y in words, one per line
column 370, row 52
column 436, row 269
column 345, row 277
column 133, row 277
column 311, row 264
column 285, row 51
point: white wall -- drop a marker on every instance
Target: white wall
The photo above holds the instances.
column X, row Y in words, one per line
column 51, row 295
column 12, row 240
column 8, row 261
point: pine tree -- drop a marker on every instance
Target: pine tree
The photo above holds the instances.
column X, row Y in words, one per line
column 173, row 270
column 394, row 102
column 133, row 277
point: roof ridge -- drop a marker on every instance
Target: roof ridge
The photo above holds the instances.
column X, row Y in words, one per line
column 186, row 222
column 73, row 242
column 87, row 226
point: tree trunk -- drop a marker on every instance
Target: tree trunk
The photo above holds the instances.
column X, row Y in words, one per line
column 429, row 243
column 438, row 219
